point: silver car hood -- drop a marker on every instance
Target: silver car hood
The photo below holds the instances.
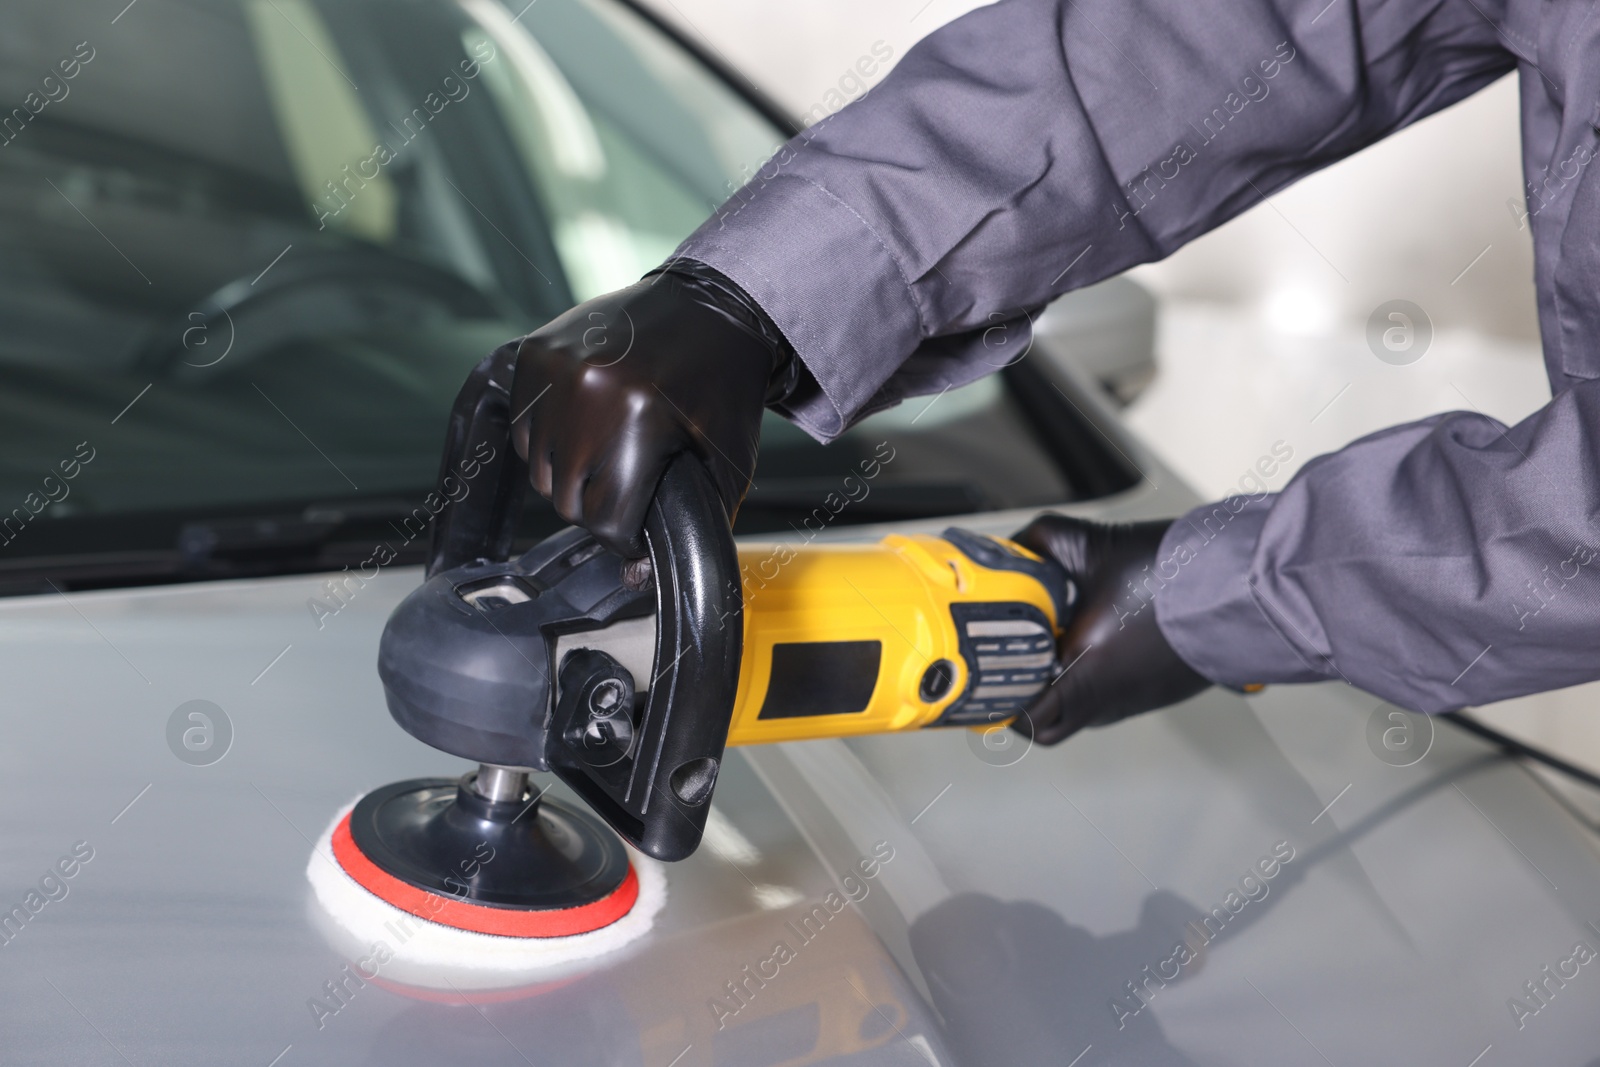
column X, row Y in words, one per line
column 1236, row 880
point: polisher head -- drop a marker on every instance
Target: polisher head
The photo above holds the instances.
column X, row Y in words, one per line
column 505, row 864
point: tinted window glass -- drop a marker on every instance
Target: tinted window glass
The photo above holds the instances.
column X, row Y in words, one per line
column 252, row 247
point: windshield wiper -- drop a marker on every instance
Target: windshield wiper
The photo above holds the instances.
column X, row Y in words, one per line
column 162, row 547
column 208, row 543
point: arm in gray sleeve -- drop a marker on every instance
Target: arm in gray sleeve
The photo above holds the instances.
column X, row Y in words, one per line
column 1036, row 146
column 1444, row 563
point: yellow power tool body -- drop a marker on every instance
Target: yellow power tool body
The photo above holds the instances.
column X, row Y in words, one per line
column 905, row 633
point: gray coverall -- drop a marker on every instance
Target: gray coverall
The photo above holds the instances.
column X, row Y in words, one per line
column 1036, row 146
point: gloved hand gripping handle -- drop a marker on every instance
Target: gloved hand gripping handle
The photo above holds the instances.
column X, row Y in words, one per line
column 655, row 788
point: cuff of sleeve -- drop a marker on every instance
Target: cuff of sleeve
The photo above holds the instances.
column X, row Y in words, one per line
column 1209, row 611
column 827, row 280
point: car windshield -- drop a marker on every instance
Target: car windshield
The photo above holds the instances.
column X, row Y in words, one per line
column 253, row 247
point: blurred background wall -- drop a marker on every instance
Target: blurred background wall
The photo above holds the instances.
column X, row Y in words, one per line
column 1262, row 336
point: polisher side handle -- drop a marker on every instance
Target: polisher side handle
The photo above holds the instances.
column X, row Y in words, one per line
column 659, row 794
column 481, row 522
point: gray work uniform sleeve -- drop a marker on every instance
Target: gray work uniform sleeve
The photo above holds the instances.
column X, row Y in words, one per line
column 1036, row 146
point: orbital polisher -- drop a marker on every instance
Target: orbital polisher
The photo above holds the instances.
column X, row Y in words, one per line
column 627, row 679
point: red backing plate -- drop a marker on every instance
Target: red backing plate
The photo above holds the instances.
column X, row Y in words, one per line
column 505, row 922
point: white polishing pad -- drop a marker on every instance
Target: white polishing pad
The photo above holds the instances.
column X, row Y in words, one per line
column 418, row 944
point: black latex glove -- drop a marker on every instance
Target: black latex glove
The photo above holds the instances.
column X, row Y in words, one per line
column 611, row 390
column 1117, row 661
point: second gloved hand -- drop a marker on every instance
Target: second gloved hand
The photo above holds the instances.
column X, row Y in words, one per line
column 611, row 390
column 1116, row 661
